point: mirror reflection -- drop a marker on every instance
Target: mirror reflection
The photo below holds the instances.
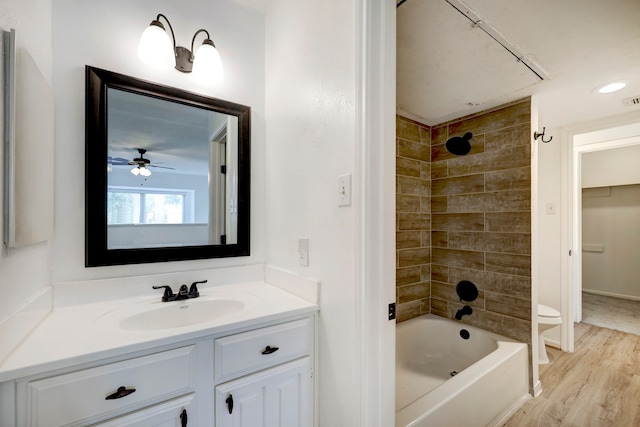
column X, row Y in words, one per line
column 171, row 175
column 175, row 180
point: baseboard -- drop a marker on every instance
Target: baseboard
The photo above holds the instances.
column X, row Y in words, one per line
column 611, row 294
column 553, row 343
column 537, row 389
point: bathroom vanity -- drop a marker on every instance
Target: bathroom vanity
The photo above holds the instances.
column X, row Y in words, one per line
column 143, row 362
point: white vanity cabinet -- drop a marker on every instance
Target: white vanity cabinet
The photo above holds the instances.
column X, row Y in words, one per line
column 266, row 370
column 276, row 397
column 152, row 389
column 276, row 386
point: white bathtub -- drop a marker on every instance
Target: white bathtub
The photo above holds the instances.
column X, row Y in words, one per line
column 491, row 376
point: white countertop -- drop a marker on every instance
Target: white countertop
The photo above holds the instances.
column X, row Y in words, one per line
column 75, row 334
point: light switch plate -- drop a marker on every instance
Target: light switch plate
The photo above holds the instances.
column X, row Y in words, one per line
column 344, row 190
column 303, row 251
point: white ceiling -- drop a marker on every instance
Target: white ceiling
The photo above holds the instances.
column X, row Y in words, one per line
column 174, row 135
column 446, row 68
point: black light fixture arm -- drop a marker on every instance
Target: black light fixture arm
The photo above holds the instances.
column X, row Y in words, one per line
column 173, row 36
column 206, row 41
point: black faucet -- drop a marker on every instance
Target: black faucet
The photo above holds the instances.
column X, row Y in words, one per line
column 168, row 293
column 466, row 310
column 183, row 293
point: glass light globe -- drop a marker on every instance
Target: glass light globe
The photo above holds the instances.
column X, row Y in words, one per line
column 156, row 48
column 144, row 171
column 207, row 65
column 135, row 171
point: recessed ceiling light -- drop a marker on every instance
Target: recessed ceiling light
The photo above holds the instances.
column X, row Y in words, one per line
column 611, row 87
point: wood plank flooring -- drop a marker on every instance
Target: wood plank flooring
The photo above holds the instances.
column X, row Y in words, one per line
column 597, row 385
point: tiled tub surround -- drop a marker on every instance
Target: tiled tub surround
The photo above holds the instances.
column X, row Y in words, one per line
column 413, row 219
column 478, row 218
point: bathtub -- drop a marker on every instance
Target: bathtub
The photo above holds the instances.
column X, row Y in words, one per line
column 445, row 380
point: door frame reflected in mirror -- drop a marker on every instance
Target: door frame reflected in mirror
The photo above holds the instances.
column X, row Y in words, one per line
column 97, row 252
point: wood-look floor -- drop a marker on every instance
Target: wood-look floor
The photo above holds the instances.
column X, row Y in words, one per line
column 597, row 385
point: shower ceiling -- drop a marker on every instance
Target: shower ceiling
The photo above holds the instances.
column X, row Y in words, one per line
column 447, row 68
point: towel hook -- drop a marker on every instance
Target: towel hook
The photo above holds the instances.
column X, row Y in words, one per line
column 537, row 135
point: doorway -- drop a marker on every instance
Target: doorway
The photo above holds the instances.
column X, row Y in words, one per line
column 606, row 135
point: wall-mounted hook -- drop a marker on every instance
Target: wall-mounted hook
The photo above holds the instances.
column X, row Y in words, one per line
column 537, row 135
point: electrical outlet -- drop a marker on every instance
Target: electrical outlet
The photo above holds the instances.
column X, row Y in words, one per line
column 303, row 251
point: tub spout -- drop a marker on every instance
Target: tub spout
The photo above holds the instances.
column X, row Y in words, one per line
column 466, row 310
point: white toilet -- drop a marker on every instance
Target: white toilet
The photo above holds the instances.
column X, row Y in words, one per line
column 547, row 319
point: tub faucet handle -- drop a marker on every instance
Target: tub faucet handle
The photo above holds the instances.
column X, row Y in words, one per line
column 466, row 310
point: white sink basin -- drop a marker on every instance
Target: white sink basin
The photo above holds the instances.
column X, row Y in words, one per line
column 169, row 315
column 177, row 314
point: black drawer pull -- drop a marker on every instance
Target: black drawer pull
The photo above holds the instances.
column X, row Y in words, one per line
column 270, row 350
column 183, row 418
column 122, row 392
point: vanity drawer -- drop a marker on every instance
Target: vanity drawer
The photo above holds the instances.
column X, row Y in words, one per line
column 246, row 352
column 80, row 397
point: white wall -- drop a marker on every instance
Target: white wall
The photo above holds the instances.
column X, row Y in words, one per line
column 617, row 166
column 25, row 272
column 311, row 140
column 610, row 236
column 105, row 34
column 549, row 225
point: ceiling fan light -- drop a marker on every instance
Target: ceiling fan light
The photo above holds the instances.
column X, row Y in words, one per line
column 135, row 171
column 144, row 171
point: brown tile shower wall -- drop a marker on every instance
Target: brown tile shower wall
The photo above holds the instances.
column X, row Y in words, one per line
column 466, row 218
column 481, row 220
column 413, row 219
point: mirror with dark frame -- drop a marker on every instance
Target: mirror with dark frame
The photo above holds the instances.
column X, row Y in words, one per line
column 167, row 173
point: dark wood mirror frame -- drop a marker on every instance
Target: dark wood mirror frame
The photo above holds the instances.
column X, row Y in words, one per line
column 96, row 251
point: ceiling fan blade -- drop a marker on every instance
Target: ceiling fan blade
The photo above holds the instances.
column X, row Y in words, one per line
column 116, row 161
column 163, row 167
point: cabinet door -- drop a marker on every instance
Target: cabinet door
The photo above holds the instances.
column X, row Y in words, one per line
column 276, row 397
column 174, row 413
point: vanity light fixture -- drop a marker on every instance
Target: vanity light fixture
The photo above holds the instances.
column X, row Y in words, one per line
column 157, row 49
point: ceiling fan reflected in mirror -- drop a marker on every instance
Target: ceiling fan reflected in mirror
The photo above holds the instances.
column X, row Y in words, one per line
column 141, row 164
